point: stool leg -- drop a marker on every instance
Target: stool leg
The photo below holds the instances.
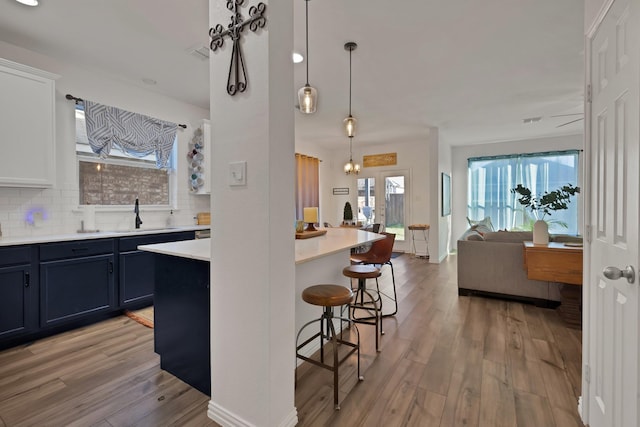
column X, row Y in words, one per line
column 333, row 335
column 377, row 312
column 349, row 321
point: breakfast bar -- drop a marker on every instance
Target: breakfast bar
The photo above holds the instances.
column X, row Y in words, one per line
column 182, row 304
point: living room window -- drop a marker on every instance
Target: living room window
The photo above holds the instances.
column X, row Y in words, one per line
column 490, row 180
column 122, row 177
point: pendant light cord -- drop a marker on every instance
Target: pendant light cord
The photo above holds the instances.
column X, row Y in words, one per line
column 307, row 35
column 350, row 151
column 350, row 50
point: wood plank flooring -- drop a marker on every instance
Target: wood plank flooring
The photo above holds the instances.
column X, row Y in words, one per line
column 445, row 361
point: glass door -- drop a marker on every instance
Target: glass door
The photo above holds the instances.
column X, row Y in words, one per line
column 390, row 208
column 395, row 207
column 367, row 200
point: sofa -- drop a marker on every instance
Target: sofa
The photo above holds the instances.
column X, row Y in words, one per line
column 492, row 264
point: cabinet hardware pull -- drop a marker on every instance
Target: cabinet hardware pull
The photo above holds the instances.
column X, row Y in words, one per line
column 79, row 249
column 110, row 267
column 27, row 279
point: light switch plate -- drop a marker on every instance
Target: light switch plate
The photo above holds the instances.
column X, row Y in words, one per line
column 237, row 173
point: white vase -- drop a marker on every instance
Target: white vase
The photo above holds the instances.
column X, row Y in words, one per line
column 540, row 233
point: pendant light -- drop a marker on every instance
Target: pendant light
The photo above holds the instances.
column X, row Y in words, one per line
column 307, row 95
column 350, row 122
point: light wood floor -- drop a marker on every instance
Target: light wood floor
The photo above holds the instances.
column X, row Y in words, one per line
column 445, row 361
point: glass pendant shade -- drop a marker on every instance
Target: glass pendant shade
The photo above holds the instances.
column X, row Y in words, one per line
column 350, row 125
column 308, row 99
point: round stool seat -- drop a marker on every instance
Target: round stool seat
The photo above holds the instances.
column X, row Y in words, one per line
column 361, row 271
column 327, row 295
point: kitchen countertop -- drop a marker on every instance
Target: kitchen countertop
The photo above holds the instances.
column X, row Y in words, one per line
column 336, row 240
column 11, row 241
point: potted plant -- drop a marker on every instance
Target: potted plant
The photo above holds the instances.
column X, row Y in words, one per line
column 543, row 205
column 347, row 216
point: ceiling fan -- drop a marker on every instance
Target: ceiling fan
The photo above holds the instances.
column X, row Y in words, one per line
column 570, row 121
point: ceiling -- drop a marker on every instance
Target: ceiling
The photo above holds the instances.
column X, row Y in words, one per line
column 473, row 69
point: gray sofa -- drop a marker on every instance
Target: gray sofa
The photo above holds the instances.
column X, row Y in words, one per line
column 493, row 265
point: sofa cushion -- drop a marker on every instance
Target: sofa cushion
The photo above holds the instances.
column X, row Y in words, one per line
column 509, row 236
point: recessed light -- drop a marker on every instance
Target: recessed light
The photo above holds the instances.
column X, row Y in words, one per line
column 297, row 58
column 28, row 2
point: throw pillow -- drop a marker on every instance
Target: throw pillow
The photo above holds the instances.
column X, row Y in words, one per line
column 470, row 232
column 482, row 226
column 476, row 237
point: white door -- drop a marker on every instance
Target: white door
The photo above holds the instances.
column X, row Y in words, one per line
column 610, row 375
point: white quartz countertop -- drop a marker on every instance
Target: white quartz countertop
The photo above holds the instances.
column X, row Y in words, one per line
column 336, row 240
column 11, row 241
column 199, row 249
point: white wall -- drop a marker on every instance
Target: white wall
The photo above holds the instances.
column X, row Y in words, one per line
column 461, row 154
column 444, row 230
column 61, row 202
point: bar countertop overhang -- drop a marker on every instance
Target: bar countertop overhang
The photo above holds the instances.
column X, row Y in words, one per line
column 336, row 240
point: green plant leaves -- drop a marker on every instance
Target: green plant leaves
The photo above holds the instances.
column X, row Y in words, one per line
column 546, row 203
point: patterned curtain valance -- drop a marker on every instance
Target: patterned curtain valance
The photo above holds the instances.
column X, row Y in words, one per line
column 136, row 134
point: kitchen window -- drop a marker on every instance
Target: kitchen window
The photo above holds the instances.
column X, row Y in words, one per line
column 121, row 178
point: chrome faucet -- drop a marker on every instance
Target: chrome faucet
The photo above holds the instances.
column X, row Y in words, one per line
column 136, row 209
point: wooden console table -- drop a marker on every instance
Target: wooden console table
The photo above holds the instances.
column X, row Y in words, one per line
column 557, row 262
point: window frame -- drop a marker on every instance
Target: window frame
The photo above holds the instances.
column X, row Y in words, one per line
column 508, row 206
column 121, row 158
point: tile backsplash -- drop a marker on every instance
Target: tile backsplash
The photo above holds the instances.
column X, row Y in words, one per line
column 41, row 212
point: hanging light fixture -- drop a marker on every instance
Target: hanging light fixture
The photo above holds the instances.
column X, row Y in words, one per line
column 350, row 122
column 350, row 167
column 307, row 95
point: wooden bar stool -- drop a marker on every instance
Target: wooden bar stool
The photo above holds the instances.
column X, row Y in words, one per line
column 329, row 296
column 366, row 299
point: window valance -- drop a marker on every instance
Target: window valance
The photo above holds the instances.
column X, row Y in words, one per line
column 136, row 134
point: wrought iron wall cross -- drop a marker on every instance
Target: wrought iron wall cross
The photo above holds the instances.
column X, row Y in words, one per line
column 237, row 79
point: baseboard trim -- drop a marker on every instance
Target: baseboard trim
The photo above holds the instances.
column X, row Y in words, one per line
column 538, row 302
column 226, row 418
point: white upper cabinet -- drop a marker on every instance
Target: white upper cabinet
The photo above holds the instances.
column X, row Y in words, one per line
column 27, row 126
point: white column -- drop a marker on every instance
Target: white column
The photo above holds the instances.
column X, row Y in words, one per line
column 252, row 252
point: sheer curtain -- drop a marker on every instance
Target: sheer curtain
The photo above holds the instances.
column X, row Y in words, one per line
column 307, row 183
column 491, row 179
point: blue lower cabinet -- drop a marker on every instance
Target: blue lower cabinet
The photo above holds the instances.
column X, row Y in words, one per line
column 137, row 278
column 75, row 288
column 136, row 274
column 18, row 314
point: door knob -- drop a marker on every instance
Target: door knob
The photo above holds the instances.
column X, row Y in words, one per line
column 614, row 273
